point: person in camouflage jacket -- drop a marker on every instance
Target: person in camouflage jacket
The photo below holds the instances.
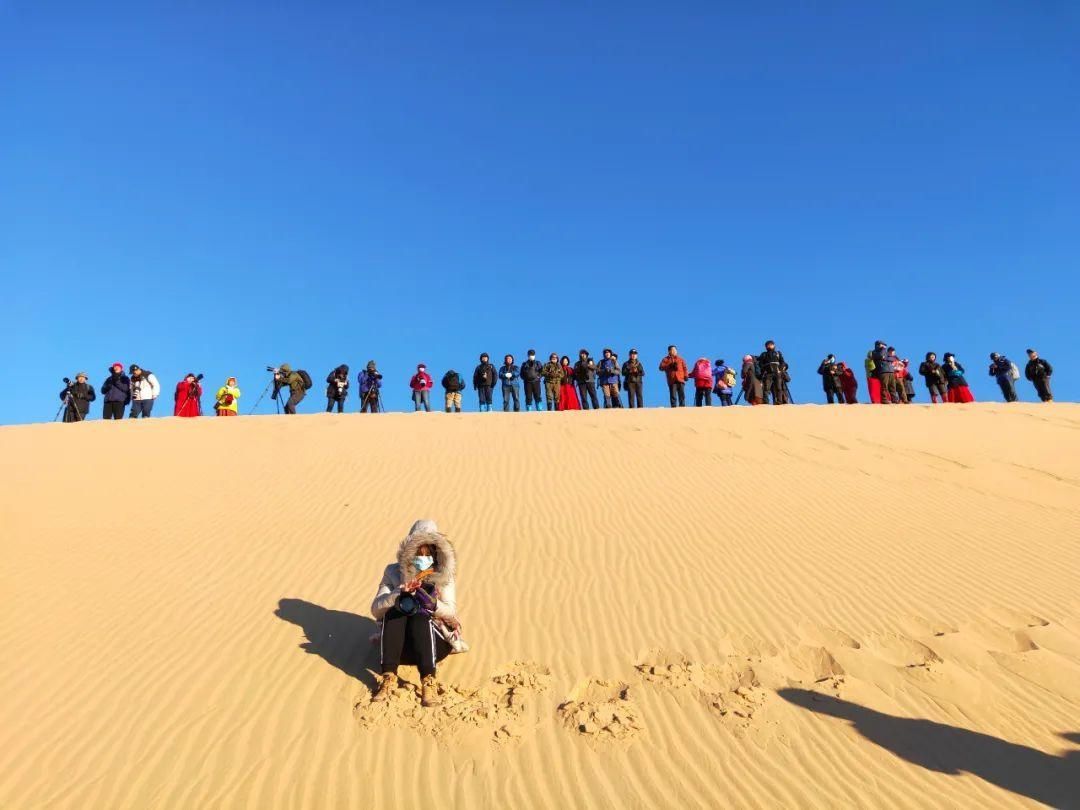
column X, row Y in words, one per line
column 553, row 377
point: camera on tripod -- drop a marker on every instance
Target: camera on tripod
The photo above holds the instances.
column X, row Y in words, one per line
column 67, row 382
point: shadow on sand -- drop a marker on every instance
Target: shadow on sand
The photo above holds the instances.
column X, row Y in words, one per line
column 339, row 638
column 1052, row 780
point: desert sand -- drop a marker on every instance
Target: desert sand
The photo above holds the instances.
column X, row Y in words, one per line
column 751, row 607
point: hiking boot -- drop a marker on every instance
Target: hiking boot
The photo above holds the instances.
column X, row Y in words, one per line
column 388, row 682
column 430, row 695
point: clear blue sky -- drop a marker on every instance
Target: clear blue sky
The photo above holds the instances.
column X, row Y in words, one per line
column 217, row 187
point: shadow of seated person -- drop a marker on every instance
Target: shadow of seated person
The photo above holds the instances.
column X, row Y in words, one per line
column 341, row 639
column 1052, row 780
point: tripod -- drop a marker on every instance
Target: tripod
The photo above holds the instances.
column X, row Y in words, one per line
column 787, row 395
column 367, row 399
column 263, row 394
column 69, row 402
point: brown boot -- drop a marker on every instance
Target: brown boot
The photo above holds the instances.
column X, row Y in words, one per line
column 388, row 682
column 430, row 696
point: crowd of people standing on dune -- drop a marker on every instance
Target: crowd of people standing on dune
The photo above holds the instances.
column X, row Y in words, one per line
column 562, row 385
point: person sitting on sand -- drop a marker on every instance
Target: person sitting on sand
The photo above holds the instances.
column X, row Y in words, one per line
column 416, row 607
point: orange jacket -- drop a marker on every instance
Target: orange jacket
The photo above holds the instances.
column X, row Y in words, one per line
column 675, row 368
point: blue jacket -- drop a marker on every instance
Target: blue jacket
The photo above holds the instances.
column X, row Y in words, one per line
column 608, row 371
column 369, row 381
column 718, row 373
column 512, row 370
column 1001, row 368
column 117, row 388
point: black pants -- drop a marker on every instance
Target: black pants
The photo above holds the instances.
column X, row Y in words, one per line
column 294, row 400
column 369, row 402
column 832, row 395
column 408, row 639
column 677, row 389
column 725, row 399
column 340, row 404
column 633, row 394
column 774, row 384
column 702, row 396
column 586, row 392
column 484, row 392
column 1042, row 388
column 532, row 393
column 113, row 410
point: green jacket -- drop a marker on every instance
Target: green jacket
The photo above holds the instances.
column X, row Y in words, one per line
column 552, row 372
column 291, row 379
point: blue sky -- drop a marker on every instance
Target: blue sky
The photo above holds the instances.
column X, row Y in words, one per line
column 218, row 187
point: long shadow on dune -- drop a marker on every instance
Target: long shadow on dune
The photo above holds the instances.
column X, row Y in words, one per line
column 341, row 639
column 1046, row 778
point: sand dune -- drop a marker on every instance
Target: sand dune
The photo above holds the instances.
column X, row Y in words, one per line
column 802, row 606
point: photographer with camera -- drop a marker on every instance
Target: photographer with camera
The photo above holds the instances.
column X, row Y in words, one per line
column 370, row 382
column 188, row 396
column 416, row 607
column 117, row 392
column 227, row 401
column 509, row 375
column 774, row 373
column 483, row 381
column 144, row 391
column 830, row 380
column 337, row 388
column 453, row 384
column 285, row 377
column 421, row 384
column 1039, row 372
column 553, row 377
column 674, row 367
column 585, row 377
column 633, row 373
column 608, row 375
column 77, row 397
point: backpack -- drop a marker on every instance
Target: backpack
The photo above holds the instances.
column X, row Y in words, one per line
column 1014, row 372
column 703, row 370
column 306, row 378
column 729, row 378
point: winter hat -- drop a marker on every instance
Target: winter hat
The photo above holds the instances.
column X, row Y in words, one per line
column 720, row 362
column 424, row 527
column 748, row 358
column 82, row 374
column 189, row 374
column 117, row 365
column 633, row 351
column 1031, row 351
column 485, row 356
column 532, row 352
column 370, row 365
column 132, row 368
column 994, row 355
column 230, row 380
column 421, row 367
column 285, row 368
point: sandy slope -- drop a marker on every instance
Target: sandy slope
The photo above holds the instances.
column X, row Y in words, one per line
column 750, row 607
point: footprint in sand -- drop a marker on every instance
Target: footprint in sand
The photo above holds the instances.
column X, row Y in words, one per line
column 502, row 710
column 920, row 626
column 814, row 664
column 901, row 651
column 819, row 636
column 1016, row 619
column 602, row 711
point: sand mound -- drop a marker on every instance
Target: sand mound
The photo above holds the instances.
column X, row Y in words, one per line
column 744, row 607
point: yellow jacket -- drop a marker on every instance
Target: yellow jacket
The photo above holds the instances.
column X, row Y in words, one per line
column 233, row 406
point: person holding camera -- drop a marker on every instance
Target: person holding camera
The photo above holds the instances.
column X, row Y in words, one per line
column 674, row 367
column 337, row 388
column 608, row 374
column 954, row 376
column 421, row 384
column 830, row 380
column 117, row 392
column 370, row 382
column 585, row 377
column 416, row 608
column 633, row 374
column 532, row 372
column 285, row 377
column 483, row 381
column 934, row 376
column 509, row 374
column 77, row 397
column 188, row 397
column 145, row 389
column 774, row 373
column 1039, row 372
column 553, row 377
column 227, row 399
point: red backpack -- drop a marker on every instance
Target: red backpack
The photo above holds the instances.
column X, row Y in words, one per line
column 703, row 374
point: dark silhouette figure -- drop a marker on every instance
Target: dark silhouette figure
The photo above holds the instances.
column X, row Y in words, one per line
column 341, row 639
column 1046, row 778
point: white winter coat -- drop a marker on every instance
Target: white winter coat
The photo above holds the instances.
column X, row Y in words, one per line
column 146, row 387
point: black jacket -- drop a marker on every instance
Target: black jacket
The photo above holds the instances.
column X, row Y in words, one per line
column 772, row 362
column 484, row 376
column 530, row 370
column 82, row 394
column 932, row 372
column 583, row 372
column 883, row 364
column 1038, row 369
column 117, row 388
column 452, row 382
column 830, row 375
column 337, row 383
column 633, row 371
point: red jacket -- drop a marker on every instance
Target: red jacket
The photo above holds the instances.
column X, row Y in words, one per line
column 702, row 374
column 421, row 381
column 675, row 368
column 186, row 403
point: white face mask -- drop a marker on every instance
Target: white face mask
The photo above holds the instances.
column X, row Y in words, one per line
column 423, row 563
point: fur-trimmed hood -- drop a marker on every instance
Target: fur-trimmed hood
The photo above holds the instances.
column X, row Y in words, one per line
column 445, row 558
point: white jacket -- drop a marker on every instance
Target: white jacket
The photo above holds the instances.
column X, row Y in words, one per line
column 403, row 570
column 147, row 387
